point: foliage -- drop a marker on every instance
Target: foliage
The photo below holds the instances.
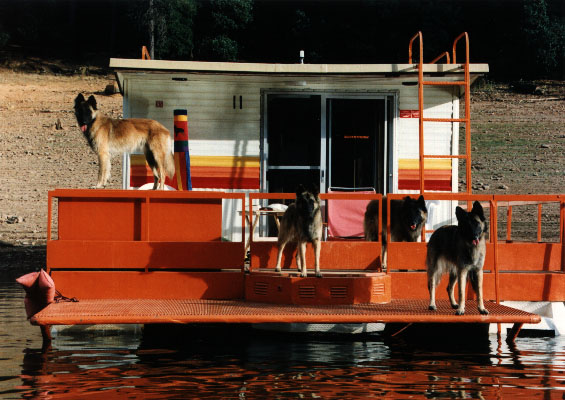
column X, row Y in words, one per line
column 221, row 23
column 4, row 37
column 544, row 35
column 172, row 26
column 519, row 39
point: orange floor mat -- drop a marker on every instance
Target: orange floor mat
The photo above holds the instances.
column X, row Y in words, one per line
column 147, row 311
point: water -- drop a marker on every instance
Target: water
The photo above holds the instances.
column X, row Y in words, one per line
column 238, row 362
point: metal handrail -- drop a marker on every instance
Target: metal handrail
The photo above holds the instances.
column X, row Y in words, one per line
column 466, row 47
column 444, row 54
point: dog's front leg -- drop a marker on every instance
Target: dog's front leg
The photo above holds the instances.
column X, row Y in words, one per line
column 279, row 256
column 317, row 245
column 461, row 283
column 302, row 251
column 451, row 289
column 477, row 283
column 432, row 283
column 103, row 169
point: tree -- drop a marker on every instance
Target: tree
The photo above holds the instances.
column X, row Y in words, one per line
column 168, row 25
column 544, row 35
column 220, row 24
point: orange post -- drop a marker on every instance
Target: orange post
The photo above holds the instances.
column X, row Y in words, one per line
column 539, row 222
column 509, row 224
column 145, row 53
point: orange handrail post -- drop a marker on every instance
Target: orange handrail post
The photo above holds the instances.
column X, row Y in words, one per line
column 417, row 35
column 467, row 81
column 494, row 241
column 145, row 53
column 420, row 103
column 509, row 224
column 539, row 222
column 562, row 234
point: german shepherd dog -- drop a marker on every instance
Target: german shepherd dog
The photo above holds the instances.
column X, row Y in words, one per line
column 107, row 136
column 460, row 251
column 302, row 223
column 407, row 219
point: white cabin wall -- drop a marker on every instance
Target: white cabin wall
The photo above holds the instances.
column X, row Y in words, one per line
column 216, row 128
column 440, row 138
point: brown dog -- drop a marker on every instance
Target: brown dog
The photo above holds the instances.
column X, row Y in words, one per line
column 302, row 223
column 108, row 135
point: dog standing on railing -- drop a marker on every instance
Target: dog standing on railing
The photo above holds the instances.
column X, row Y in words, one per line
column 109, row 135
column 459, row 250
column 302, row 223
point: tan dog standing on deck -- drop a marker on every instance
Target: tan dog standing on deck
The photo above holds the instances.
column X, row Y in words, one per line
column 107, row 136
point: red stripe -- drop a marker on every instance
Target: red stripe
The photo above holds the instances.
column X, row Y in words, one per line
column 430, row 184
column 225, row 183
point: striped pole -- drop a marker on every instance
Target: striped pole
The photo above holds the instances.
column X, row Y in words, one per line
column 182, row 157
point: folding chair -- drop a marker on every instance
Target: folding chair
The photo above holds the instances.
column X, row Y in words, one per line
column 345, row 217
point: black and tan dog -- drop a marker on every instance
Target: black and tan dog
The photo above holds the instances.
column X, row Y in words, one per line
column 107, row 136
column 407, row 219
column 302, row 223
column 459, row 250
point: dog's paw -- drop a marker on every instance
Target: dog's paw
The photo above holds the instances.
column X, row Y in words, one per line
column 277, row 269
column 432, row 307
column 483, row 311
column 318, row 274
column 304, row 274
column 460, row 312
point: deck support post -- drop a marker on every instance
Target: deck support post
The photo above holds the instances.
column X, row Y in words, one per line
column 46, row 335
column 513, row 332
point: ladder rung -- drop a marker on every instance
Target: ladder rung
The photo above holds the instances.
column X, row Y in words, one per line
column 445, row 120
column 446, row 156
column 444, row 83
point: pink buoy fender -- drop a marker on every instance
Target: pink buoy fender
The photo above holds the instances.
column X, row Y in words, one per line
column 40, row 291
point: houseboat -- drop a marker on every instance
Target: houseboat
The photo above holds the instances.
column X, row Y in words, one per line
column 358, row 133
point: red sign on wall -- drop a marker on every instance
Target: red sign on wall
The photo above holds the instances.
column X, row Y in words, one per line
column 409, row 113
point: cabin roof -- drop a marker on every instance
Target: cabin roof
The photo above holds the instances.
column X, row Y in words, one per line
column 294, row 69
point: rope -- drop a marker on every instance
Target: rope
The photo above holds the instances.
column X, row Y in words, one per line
column 60, row 298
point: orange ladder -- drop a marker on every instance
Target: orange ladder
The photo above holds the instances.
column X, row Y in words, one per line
column 466, row 83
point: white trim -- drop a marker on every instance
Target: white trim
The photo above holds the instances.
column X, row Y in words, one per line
column 263, row 68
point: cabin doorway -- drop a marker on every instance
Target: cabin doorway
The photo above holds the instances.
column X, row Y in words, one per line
column 332, row 141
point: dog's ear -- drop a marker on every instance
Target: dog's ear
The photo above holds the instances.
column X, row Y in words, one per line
column 478, row 210
column 315, row 190
column 422, row 203
column 92, row 102
column 460, row 214
column 79, row 99
column 299, row 190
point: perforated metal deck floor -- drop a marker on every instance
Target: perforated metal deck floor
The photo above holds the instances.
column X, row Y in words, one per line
column 147, row 311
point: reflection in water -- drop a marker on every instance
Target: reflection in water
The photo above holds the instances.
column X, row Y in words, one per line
column 217, row 361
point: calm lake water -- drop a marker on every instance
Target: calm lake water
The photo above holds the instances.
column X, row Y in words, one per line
column 239, row 362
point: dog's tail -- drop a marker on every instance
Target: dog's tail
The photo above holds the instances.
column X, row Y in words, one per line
column 170, row 164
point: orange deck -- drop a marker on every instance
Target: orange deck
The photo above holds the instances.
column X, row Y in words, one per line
column 128, row 260
column 148, row 311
